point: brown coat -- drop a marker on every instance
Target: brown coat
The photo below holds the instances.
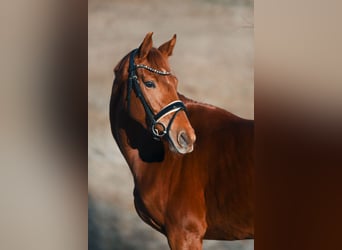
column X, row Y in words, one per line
column 203, row 194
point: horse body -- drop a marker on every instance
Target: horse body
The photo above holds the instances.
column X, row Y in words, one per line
column 205, row 194
column 224, row 153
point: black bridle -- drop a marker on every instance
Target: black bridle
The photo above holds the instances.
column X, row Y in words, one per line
column 152, row 119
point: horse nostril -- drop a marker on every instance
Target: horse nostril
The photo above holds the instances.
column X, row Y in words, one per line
column 183, row 139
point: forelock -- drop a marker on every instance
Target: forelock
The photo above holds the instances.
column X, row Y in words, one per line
column 156, row 59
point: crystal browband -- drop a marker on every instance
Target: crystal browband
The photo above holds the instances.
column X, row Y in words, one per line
column 164, row 73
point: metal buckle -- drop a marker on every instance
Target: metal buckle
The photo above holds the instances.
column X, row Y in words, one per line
column 156, row 132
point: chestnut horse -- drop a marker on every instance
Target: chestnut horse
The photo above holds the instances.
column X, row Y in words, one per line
column 192, row 163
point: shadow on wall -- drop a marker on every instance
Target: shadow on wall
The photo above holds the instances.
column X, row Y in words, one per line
column 111, row 228
column 100, row 222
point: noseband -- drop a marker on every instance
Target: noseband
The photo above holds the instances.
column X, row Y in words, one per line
column 153, row 119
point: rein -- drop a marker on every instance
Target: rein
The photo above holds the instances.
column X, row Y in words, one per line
column 153, row 119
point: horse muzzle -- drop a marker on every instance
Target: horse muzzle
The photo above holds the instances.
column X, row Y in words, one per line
column 182, row 141
column 186, row 142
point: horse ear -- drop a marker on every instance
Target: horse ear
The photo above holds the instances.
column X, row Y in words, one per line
column 167, row 48
column 146, row 45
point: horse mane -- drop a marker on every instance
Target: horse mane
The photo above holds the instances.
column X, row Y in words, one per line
column 186, row 99
column 232, row 116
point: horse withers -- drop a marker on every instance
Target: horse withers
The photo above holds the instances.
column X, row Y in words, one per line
column 192, row 163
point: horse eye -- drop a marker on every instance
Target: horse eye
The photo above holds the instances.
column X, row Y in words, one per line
column 150, row 84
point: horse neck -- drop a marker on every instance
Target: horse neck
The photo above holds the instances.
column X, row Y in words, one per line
column 136, row 143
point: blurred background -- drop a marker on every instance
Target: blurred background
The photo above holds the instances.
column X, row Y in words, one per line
column 43, row 110
column 213, row 60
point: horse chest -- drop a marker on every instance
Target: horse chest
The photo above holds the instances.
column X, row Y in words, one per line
column 150, row 203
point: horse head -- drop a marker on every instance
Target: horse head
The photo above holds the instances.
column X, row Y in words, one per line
column 151, row 97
